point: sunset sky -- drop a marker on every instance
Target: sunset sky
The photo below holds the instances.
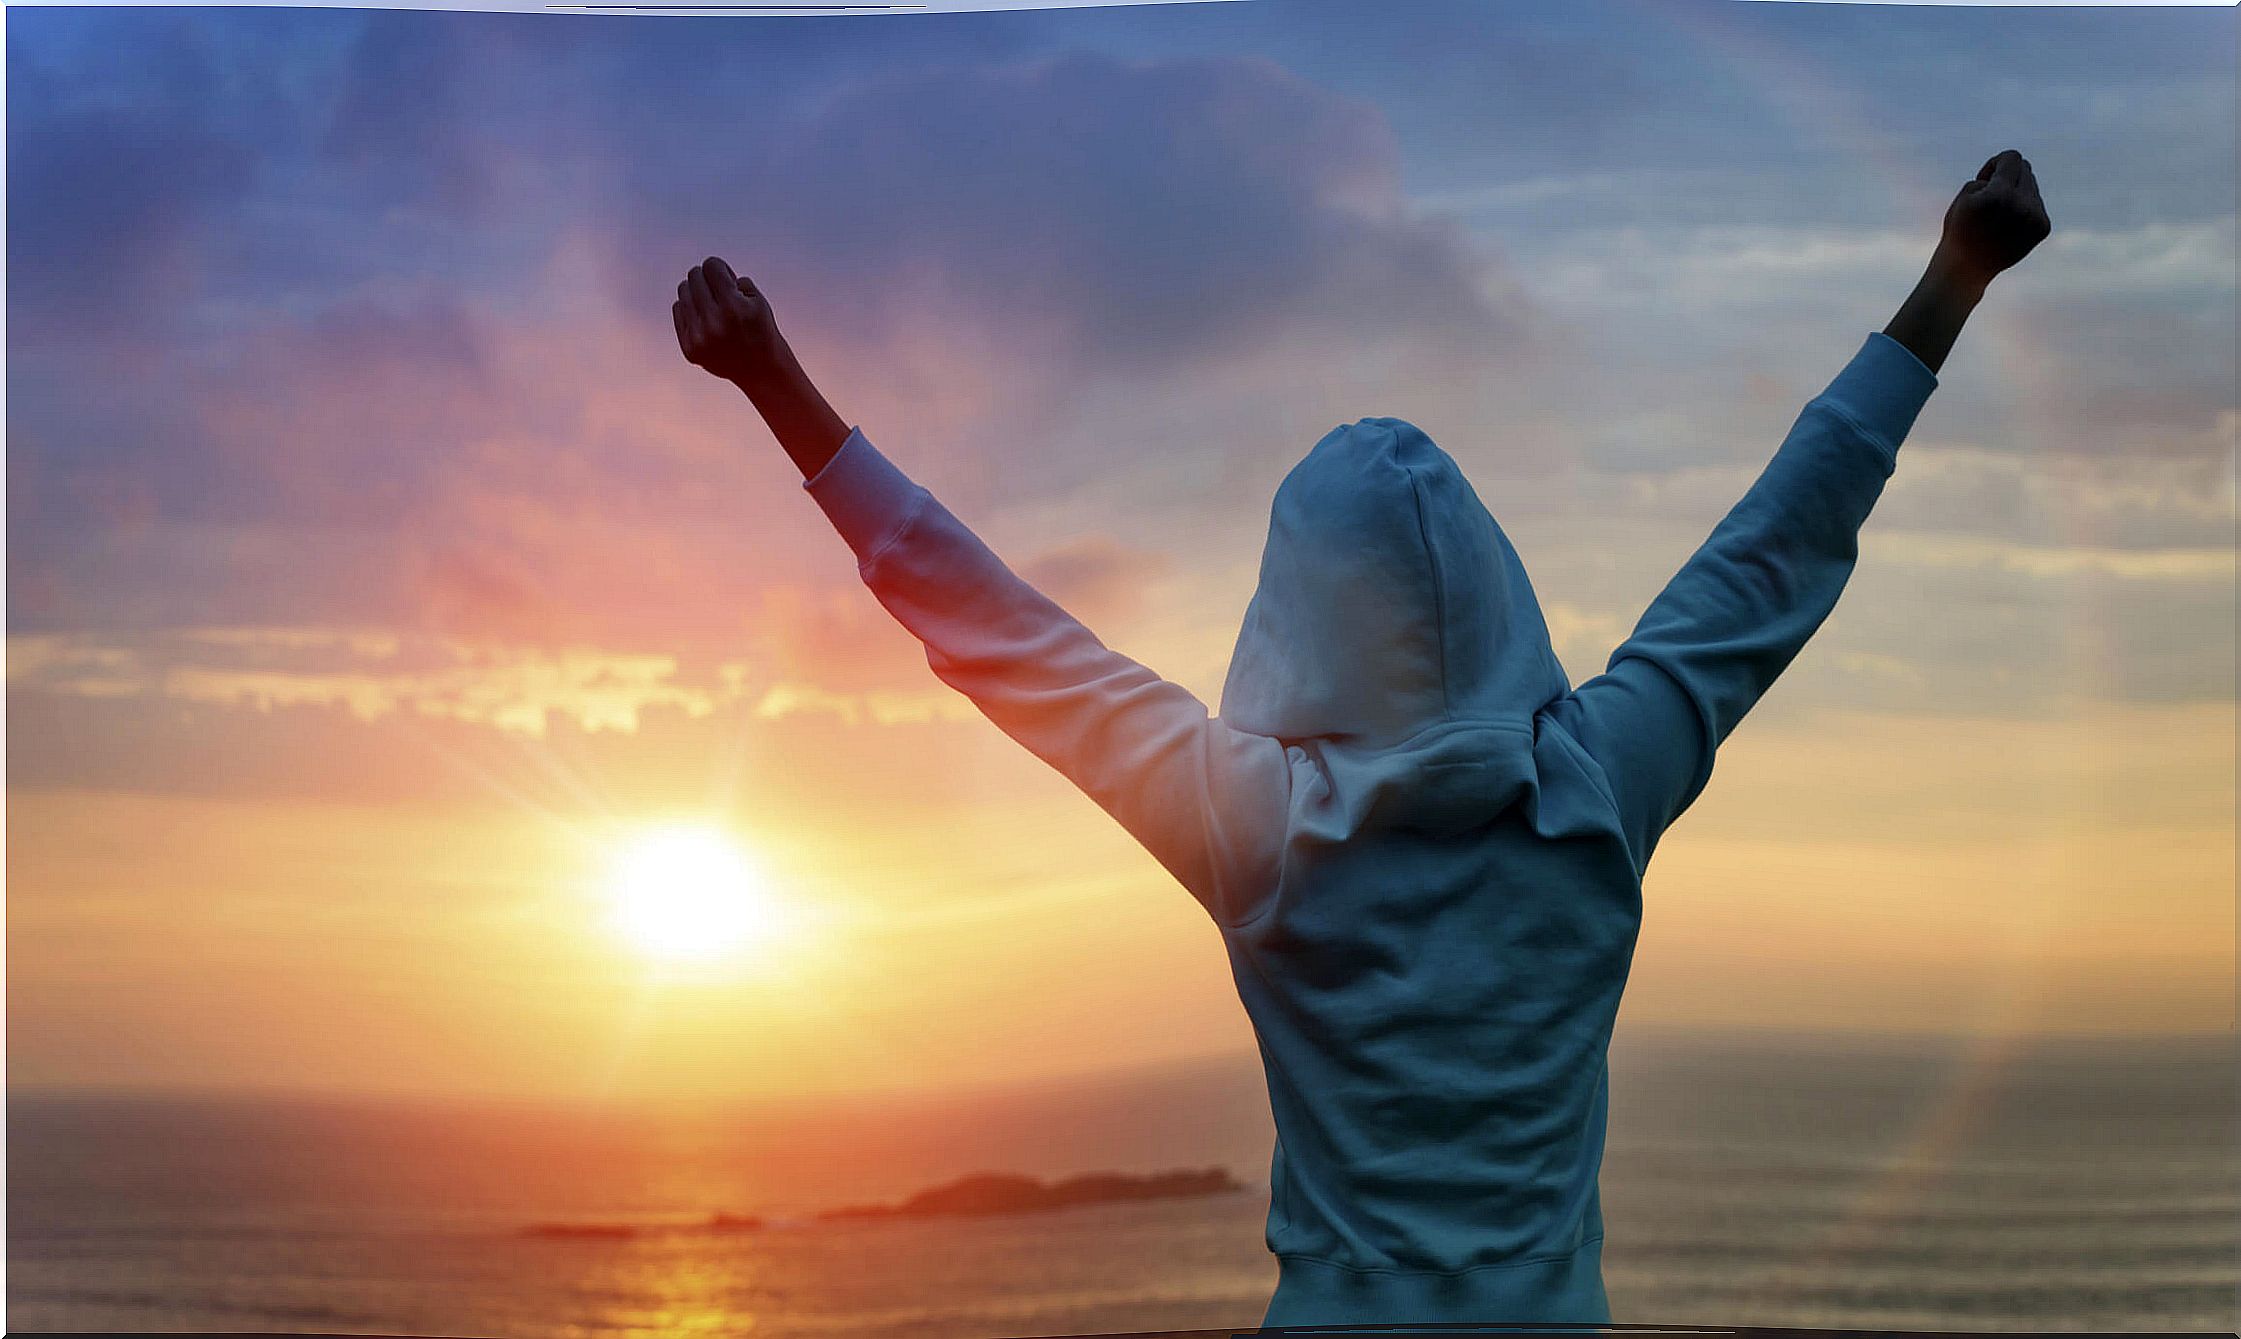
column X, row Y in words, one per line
column 379, row 574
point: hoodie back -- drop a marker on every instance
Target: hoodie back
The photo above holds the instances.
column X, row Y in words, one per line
column 1423, row 848
column 1434, row 986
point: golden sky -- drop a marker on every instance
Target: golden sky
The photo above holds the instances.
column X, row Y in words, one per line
column 379, row 577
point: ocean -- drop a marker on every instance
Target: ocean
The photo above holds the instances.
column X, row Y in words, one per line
column 1750, row 1179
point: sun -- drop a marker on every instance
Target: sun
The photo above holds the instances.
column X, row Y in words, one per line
column 691, row 894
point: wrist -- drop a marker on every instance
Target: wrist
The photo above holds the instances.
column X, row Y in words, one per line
column 770, row 375
column 792, row 407
column 1954, row 279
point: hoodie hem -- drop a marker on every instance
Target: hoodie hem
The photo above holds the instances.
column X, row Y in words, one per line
column 1560, row 1288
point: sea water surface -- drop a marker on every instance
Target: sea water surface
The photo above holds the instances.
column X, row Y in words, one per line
column 1750, row 1180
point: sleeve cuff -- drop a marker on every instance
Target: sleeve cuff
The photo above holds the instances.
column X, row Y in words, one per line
column 867, row 499
column 1883, row 388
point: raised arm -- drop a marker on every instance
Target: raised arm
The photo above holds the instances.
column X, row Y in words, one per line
column 1743, row 606
column 1207, row 801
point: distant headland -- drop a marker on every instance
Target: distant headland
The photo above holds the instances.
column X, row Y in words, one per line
column 1004, row 1192
column 980, row 1194
column 715, row 1222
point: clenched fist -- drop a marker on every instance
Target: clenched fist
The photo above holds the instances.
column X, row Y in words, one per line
column 1995, row 220
column 724, row 325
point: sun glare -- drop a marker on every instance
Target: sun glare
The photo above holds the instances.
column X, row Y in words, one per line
column 690, row 894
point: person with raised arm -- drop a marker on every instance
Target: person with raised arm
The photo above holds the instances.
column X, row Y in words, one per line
column 1422, row 845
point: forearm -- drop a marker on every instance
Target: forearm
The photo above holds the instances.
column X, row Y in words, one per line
column 1746, row 602
column 796, row 411
column 1207, row 802
column 1931, row 318
column 1026, row 662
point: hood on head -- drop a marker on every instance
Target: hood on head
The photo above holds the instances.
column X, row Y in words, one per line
column 1389, row 600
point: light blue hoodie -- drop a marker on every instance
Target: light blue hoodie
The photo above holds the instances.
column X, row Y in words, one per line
column 1423, row 846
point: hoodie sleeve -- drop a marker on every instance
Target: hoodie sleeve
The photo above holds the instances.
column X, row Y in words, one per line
column 1207, row 801
column 1743, row 606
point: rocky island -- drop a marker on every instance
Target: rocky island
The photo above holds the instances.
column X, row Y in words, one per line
column 715, row 1222
column 1006, row 1193
column 982, row 1193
